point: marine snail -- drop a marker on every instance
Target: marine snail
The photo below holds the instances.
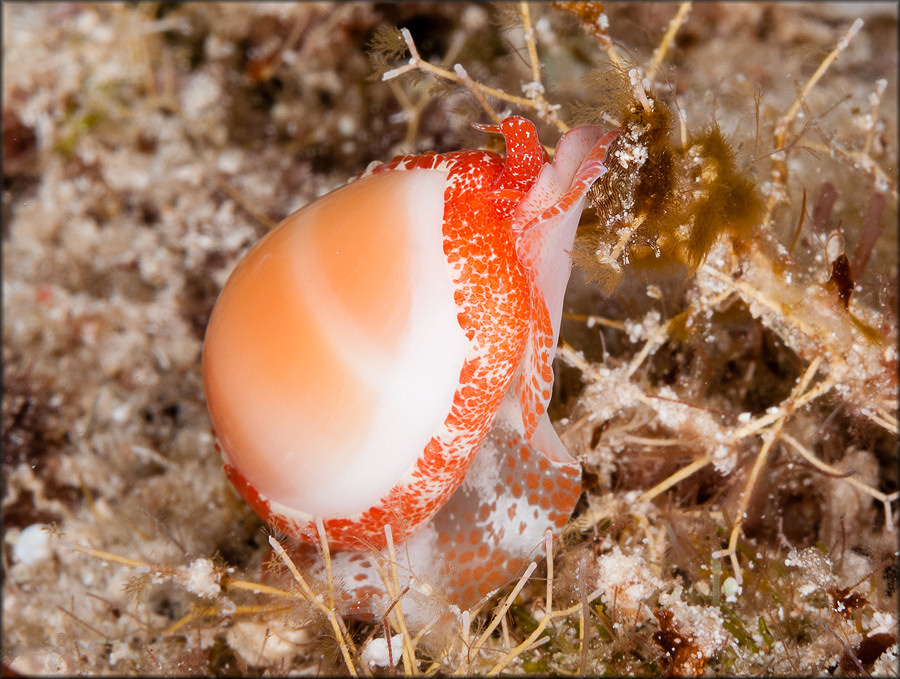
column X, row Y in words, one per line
column 383, row 357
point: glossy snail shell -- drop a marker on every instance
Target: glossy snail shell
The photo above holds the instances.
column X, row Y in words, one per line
column 364, row 351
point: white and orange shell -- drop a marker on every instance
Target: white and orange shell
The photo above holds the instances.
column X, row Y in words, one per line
column 383, row 357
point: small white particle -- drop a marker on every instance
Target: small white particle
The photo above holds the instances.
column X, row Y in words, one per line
column 375, row 652
column 33, row 545
column 730, row 588
column 346, row 126
column 121, row 413
column 229, row 161
column 202, row 578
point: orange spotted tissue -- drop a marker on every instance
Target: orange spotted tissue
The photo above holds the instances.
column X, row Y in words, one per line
column 383, row 358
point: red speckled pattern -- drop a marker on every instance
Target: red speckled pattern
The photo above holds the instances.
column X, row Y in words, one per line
column 495, row 523
column 474, row 510
column 483, row 538
column 494, row 302
column 522, row 481
column 494, row 310
column 549, row 236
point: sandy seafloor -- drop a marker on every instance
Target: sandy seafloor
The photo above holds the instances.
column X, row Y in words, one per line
column 146, row 147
